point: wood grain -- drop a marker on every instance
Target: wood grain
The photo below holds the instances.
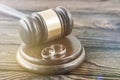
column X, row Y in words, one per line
column 97, row 26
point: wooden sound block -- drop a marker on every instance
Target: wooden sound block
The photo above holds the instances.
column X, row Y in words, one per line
column 30, row 57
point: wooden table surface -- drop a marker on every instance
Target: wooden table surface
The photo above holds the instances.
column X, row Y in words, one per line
column 96, row 25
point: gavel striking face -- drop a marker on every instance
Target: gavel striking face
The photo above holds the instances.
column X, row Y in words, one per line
column 46, row 26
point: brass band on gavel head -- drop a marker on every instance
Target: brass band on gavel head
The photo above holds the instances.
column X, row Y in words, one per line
column 46, row 26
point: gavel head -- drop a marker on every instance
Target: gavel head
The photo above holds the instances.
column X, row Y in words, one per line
column 45, row 26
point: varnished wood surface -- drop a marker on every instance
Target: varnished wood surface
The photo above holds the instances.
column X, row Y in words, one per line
column 97, row 25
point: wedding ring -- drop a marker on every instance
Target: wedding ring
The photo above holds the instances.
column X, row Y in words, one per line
column 54, row 51
column 47, row 53
column 59, row 50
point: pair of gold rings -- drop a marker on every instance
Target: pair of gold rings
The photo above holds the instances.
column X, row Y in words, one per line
column 54, row 51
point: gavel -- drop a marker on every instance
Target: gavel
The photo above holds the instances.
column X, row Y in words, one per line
column 42, row 26
column 48, row 48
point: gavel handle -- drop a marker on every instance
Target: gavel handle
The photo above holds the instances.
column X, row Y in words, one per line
column 11, row 11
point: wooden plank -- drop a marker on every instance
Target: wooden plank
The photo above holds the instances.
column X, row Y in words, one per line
column 92, row 6
column 11, row 75
column 72, row 4
column 102, row 45
column 98, row 63
column 89, row 37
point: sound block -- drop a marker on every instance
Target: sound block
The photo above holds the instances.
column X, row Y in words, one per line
column 30, row 57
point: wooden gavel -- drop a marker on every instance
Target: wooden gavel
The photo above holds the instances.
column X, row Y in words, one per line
column 41, row 52
column 42, row 26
